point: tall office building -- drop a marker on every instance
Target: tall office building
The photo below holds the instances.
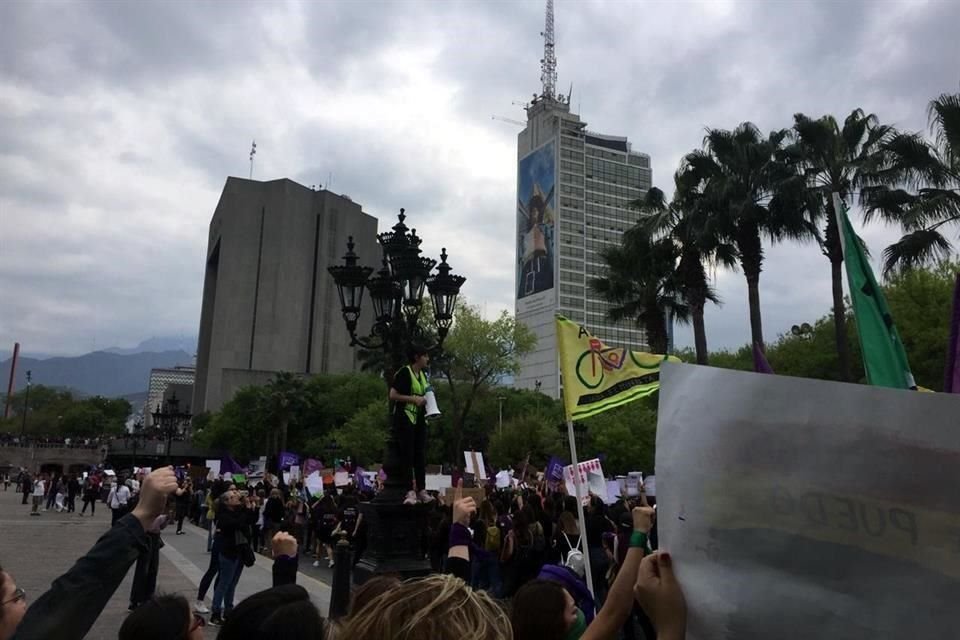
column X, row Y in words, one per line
column 574, row 189
column 269, row 304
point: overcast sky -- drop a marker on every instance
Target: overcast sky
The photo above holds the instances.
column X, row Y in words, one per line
column 120, row 121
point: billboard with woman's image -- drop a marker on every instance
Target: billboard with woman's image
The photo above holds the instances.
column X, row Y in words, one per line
column 535, row 221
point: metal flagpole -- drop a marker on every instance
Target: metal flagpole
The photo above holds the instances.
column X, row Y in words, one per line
column 582, row 520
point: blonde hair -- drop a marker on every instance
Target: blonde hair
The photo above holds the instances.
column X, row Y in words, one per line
column 568, row 523
column 437, row 607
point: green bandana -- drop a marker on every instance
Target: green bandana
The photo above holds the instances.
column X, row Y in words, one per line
column 578, row 627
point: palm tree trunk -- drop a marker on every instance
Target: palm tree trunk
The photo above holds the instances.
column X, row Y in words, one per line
column 753, row 299
column 835, row 255
column 284, row 423
column 699, row 332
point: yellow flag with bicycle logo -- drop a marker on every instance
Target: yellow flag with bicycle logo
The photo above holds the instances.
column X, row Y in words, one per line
column 597, row 377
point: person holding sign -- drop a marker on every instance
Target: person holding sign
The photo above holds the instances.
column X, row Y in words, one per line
column 409, row 422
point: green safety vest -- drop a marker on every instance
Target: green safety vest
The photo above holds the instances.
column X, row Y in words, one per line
column 418, row 387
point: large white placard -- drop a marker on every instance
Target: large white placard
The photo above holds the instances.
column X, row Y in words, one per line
column 475, row 464
column 435, row 481
column 798, row 508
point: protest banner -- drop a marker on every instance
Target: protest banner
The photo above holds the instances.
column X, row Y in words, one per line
column 438, row 481
column 475, row 465
column 634, row 480
column 214, row 466
column 591, row 477
column 799, row 508
column 650, row 486
column 341, row 478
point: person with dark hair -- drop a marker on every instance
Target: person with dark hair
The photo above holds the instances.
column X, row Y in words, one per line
column 281, row 612
column 546, row 609
column 91, row 491
column 13, row 605
column 327, row 521
column 233, row 525
column 409, row 423
column 182, row 501
column 165, row 617
column 73, row 488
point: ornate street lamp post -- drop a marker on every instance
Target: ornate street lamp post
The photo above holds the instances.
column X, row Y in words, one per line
column 396, row 295
column 134, row 440
column 170, row 421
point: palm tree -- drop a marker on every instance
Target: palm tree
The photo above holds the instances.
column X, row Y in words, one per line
column 835, row 159
column 285, row 398
column 681, row 221
column 748, row 190
column 917, row 184
column 641, row 283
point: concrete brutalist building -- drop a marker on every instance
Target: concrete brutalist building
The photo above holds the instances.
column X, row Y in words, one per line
column 269, row 304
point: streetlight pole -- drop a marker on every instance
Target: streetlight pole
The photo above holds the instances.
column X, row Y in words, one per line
column 26, row 408
column 396, row 295
column 500, row 399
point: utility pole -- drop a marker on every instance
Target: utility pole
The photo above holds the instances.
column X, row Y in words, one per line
column 500, row 399
column 26, row 406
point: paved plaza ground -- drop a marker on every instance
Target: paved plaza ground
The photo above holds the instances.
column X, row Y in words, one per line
column 36, row 550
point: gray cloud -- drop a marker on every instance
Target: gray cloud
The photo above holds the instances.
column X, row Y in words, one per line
column 119, row 123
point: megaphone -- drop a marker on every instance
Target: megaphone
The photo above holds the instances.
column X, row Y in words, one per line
column 431, row 408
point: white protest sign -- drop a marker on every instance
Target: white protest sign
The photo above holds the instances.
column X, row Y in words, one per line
column 503, row 479
column 591, row 477
column 436, row 481
column 650, row 486
column 475, row 465
column 784, row 519
column 314, row 484
column 613, row 491
column 634, row 479
column 294, row 472
column 341, row 478
column 214, row 466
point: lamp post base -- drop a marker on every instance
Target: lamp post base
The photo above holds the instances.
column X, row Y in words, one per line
column 395, row 537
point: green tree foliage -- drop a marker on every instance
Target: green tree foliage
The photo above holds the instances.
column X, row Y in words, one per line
column 240, row 427
column 56, row 412
column 920, row 302
column 740, row 179
column 626, row 436
column 364, row 436
column 918, row 187
column 835, row 159
column 525, row 435
column 642, row 284
column 477, row 354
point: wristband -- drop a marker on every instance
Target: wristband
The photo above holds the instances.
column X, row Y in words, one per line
column 638, row 539
column 459, row 535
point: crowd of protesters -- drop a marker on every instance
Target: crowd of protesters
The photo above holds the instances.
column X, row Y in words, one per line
column 511, row 566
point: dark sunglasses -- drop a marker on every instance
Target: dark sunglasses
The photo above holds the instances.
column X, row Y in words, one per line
column 18, row 595
column 198, row 622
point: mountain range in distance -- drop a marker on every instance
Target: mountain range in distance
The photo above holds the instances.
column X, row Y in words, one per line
column 113, row 372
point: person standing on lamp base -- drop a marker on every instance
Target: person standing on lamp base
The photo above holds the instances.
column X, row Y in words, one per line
column 409, row 420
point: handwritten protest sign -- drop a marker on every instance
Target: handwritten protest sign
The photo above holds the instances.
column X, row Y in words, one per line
column 800, row 508
column 591, row 477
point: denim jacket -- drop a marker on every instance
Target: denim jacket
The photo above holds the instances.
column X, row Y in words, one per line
column 75, row 600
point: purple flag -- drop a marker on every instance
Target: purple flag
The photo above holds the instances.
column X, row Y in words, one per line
column 760, row 364
column 554, row 471
column 951, row 382
column 382, row 475
column 229, row 465
column 310, row 465
column 361, row 480
column 287, row 460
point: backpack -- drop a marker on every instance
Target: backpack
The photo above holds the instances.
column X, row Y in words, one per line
column 493, row 539
column 574, row 560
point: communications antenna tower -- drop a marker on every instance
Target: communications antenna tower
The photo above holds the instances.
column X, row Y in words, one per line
column 548, row 66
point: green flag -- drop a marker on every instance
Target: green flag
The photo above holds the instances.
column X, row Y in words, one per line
column 884, row 358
